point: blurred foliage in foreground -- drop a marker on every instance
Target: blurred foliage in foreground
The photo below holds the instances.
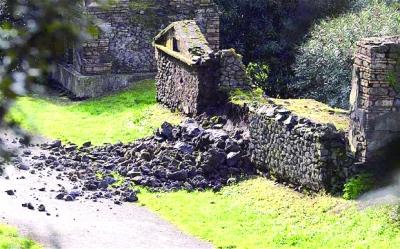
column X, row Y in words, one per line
column 32, row 37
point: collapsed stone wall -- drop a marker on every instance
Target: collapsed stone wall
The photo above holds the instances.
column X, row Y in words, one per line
column 375, row 96
column 317, row 156
column 297, row 150
column 183, row 87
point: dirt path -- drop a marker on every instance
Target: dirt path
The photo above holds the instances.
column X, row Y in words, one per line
column 82, row 223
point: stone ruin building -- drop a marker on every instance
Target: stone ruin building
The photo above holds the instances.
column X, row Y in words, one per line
column 190, row 72
column 292, row 149
column 316, row 156
column 185, row 78
column 122, row 53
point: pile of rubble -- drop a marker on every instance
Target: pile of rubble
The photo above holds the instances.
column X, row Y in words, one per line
column 207, row 153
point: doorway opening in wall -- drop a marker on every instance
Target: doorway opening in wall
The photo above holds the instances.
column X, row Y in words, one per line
column 175, row 45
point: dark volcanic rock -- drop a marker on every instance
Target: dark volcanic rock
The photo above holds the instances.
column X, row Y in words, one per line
column 41, row 208
column 184, row 147
column 55, row 144
column 166, row 130
column 28, row 205
column 87, row 144
column 23, row 166
column 130, row 196
column 180, row 175
column 69, row 198
column 187, row 156
column 10, row 192
column 60, row 196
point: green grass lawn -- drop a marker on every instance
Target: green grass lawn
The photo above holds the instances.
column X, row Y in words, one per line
column 254, row 214
column 125, row 116
column 10, row 239
column 260, row 214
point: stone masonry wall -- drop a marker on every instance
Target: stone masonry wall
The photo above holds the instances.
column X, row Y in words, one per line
column 130, row 49
column 296, row 150
column 130, row 31
column 375, row 98
column 90, row 59
column 232, row 70
column 207, row 18
column 189, row 89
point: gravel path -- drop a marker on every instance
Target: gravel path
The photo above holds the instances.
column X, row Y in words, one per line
column 82, row 223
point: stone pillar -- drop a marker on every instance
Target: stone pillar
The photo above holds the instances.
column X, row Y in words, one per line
column 375, row 96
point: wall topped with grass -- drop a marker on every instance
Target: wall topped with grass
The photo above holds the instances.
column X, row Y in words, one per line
column 297, row 141
column 308, row 108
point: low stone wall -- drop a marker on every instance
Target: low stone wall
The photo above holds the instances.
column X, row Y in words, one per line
column 298, row 151
column 189, row 89
column 89, row 86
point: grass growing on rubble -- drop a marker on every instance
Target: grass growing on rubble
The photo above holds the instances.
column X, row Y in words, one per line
column 308, row 108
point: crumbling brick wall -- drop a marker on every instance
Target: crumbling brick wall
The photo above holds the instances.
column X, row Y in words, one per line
column 130, row 49
column 375, row 98
column 92, row 58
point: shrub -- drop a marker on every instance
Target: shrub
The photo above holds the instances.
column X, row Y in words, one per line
column 258, row 73
column 357, row 5
column 268, row 31
column 258, row 29
column 324, row 63
column 357, row 186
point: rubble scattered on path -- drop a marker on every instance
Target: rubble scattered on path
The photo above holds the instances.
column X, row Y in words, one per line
column 207, row 153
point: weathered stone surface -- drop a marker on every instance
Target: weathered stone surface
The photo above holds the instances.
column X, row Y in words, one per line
column 298, row 151
column 89, row 86
column 123, row 47
column 190, row 73
column 232, row 71
column 188, row 88
column 375, row 113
